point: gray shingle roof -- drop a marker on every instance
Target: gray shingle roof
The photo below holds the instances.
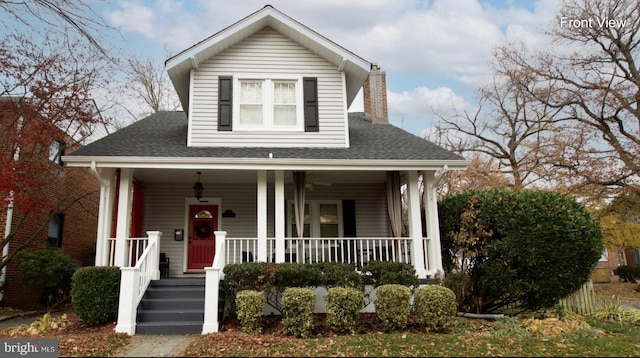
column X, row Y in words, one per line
column 164, row 134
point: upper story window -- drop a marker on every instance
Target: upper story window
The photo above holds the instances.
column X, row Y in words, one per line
column 56, row 152
column 269, row 104
column 261, row 103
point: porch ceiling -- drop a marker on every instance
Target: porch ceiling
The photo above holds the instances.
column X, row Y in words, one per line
column 250, row 176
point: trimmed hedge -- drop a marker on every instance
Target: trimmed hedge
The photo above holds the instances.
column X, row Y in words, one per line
column 297, row 310
column 435, row 307
column 393, row 305
column 386, row 272
column 250, row 306
column 343, row 308
column 94, row 294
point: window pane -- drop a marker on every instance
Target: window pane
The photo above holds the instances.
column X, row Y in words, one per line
column 284, row 93
column 284, row 115
column 251, row 102
column 329, row 230
column 328, row 214
column 284, row 103
column 54, row 152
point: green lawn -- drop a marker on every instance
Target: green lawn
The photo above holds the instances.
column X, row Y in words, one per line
column 510, row 337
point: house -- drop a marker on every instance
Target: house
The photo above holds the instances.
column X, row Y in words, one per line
column 264, row 164
column 73, row 230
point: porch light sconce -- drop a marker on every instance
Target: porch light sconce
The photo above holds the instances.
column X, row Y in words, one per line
column 178, row 234
column 228, row 214
column 198, row 188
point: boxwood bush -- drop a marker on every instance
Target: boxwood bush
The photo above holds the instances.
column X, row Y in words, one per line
column 378, row 273
column 393, row 305
column 542, row 247
column 250, row 305
column 94, row 294
column 435, row 307
column 343, row 308
column 297, row 310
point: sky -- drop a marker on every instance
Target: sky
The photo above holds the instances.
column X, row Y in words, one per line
column 435, row 52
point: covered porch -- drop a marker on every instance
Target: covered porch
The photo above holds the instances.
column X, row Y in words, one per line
column 349, row 216
column 260, row 215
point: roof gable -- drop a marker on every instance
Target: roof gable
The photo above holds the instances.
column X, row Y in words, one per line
column 179, row 66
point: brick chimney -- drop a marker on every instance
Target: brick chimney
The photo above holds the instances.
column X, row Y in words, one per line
column 375, row 96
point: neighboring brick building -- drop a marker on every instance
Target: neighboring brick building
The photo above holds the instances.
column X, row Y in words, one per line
column 73, row 232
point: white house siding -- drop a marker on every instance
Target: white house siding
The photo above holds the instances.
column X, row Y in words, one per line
column 267, row 52
column 164, row 205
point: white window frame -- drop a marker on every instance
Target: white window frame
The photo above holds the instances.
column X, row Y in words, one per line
column 314, row 214
column 267, row 103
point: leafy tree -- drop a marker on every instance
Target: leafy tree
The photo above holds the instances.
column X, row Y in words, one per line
column 45, row 99
column 620, row 222
column 529, row 248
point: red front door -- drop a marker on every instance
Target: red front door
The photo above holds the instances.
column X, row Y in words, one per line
column 203, row 222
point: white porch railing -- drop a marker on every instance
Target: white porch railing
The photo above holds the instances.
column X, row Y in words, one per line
column 135, row 279
column 135, row 246
column 356, row 250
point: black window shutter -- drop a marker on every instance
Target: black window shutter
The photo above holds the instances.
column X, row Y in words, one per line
column 225, row 103
column 349, row 218
column 310, row 89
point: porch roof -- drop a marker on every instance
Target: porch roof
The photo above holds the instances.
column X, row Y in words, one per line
column 164, row 135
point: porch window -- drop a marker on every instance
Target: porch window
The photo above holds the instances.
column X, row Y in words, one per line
column 321, row 219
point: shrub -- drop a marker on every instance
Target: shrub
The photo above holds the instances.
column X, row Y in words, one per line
column 384, row 273
column 628, row 273
column 460, row 284
column 273, row 278
column 343, row 308
column 542, row 246
column 338, row 274
column 297, row 309
column 45, row 266
column 393, row 305
column 250, row 305
column 95, row 292
column 435, row 307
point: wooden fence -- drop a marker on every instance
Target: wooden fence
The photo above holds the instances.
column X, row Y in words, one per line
column 583, row 301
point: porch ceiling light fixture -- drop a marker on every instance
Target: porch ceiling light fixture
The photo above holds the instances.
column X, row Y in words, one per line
column 198, row 188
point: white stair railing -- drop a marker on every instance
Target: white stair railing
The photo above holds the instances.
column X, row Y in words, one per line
column 213, row 275
column 134, row 282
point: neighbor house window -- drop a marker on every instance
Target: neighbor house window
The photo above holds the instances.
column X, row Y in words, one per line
column 321, row 219
column 271, row 104
column 54, row 236
column 55, row 152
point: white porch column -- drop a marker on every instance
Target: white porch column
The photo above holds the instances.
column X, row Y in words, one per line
column 280, row 214
column 262, row 216
column 415, row 223
column 434, row 254
column 124, row 217
column 105, row 212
